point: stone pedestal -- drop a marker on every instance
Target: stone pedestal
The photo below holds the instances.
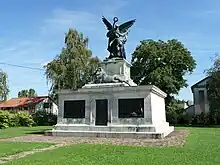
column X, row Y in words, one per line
column 150, row 124
column 113, row 109
column 119, row 67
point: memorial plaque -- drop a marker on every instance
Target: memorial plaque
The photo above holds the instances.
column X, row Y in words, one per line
column 74, row 109
column 128, row 108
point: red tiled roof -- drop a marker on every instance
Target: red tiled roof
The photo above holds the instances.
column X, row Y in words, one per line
column 2, row 101
column 18, row 102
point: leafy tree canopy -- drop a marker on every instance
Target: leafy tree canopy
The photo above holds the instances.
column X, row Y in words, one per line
column 213, row 85
column 4, row 89
column 27, row 93
column 163, row 64
column 74, row 66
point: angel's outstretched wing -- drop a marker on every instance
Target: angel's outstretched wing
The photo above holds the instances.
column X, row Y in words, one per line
column 107, row 23
column 125, row 26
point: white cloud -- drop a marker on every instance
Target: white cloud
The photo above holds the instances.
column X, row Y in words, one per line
column 37, row 51
column 205, row 13
column 62, row 20
column 84, row 21
column 114, row 7
column 7, row 49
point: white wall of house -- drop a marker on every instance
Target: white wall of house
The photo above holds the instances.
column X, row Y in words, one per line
column 53, row 109
column 200, row 97
column 190, row 111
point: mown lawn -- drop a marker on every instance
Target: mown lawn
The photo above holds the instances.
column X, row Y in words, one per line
column 10, row 148
column 21, row 131
column 202, row 148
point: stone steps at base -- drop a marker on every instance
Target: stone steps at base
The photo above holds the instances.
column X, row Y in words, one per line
column 105, row 134
column 114, row 128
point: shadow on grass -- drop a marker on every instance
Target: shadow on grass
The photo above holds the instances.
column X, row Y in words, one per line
column 36, row 133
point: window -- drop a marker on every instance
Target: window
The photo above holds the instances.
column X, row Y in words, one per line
column 74, row 109
column 131, row 108
column 201, row 96
column 202, row 100
column 47, row 105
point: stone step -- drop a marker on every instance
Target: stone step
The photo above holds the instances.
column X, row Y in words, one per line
column 115, row 128
column 105, row 134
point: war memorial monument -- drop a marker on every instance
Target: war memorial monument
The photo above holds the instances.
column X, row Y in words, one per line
column 112, row 105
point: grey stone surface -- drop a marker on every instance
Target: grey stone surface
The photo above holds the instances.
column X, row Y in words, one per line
column 112, row 134
column 113, row 128
column 152, row 124
column 112, row 73
column 112, row 94
column 105, row 85
column 120, row 67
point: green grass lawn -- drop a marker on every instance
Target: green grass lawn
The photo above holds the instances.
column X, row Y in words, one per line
column 10, row 148
column 21, row 131
column 202, row 148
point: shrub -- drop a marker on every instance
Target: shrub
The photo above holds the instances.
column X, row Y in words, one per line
column 43, row 118
column 211, row 118
column 8, row 119
column 215, row 116
column 24, row 119
column 201, row 119
column 176, row 118
column 4, row 119
column 175, row 113
column 14, row 120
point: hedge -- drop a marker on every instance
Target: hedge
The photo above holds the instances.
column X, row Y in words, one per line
column 18, row 119
column 43, row 118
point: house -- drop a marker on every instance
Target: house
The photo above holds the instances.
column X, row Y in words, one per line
column 185, row 104
column 30, row 104
column 200, row 98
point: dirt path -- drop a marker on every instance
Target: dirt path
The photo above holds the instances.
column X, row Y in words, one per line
column 176, row 138
column 26, row 153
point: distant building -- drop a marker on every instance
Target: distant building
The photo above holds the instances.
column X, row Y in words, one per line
column 200, row 98
column 31, row 104
column 185, row 104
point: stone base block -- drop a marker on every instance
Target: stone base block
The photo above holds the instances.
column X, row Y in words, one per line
column 113, row 128
column 107, row 134
column 117, row 131
column 110, row 85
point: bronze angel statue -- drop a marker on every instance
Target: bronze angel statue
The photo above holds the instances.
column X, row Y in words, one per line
column 117, row 37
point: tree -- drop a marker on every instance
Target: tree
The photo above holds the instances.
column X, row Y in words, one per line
column 23, row 93
column 213, row 90
column 163, row 64
column 74, row 66
column 27, row 93
column 31, row 92
column 175, row 111
column 4, row 89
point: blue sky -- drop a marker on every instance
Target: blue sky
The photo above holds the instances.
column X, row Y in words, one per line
column 32, row 32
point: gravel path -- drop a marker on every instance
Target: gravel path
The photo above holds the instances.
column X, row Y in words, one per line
column 176, row 138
